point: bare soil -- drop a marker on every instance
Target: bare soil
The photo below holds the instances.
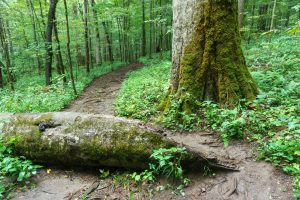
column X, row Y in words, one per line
column 255, row 180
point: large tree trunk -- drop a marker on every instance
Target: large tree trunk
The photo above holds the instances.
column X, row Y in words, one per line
column 208, row 62
column 78, row 139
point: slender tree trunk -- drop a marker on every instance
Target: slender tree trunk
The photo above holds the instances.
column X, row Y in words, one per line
column 241, row 12
column 262, row 20
column 273, row 15
column 2, row 66
column 91, row 51
column 4, row 43
column 79, row 57
column 86, row 37
column 151, row 29
column 25, row 38
column 68, row 47
column 11, row 46
column 120, row 38
column 109, row 42
column 98, row 41
column 59, row 55
column 143, row 29
column 42, row 14
column 208, row 62
column 49, row 50
column 161, row 32
column 36, row 43
column 252, row 21
column 288, row 14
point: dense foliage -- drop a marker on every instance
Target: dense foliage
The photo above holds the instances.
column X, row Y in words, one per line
column 100, row 31
column 32, row 95
column 272, row 120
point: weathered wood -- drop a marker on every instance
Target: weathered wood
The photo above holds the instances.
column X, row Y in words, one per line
column 80, row 139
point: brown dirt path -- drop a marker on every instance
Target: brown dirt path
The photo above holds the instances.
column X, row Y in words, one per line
column 255, row 180
column 98, row 98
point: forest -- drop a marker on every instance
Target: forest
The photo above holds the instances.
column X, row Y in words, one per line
column 150, row 99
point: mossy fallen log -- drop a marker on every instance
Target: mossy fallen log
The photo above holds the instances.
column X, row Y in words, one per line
column 81, row 139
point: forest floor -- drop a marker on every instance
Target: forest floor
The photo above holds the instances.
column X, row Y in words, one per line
column 255, row 180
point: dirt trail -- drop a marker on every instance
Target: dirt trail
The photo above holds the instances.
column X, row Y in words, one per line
column 255, row 180
column 98, row 98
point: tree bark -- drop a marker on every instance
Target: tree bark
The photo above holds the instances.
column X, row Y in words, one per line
column 78, row 139
column 208, row 62
column 49, row 50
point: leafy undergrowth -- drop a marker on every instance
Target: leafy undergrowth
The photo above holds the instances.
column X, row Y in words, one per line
column 143, row 90
column 14, row 171
column 272, row 120
column 31, row 94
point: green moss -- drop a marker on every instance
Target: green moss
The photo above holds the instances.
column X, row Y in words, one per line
column 87, row 142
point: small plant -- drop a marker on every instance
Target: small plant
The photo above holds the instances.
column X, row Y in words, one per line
column 167, row 163
column 16, row 169
column 104, row 174
column 207, row 172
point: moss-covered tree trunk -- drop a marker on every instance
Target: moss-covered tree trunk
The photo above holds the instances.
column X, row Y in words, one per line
column 208, row 62
column 80, row 139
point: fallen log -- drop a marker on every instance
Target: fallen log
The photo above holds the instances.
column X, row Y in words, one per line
column 81, row 139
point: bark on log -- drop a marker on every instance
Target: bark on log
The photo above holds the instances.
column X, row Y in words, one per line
column 80, row 139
